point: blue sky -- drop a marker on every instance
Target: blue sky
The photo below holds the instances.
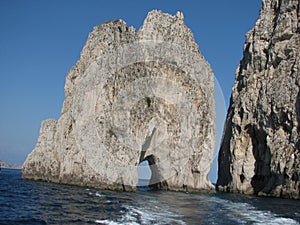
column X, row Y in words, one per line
column 41, row 40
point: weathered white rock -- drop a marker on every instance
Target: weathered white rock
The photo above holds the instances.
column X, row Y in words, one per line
column 133, row 96
column 260, row 151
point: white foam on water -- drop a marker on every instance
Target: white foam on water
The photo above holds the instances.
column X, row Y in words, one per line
column 110, row 222
column 245, row 213
column 99, row 195
column 286, row 221
column 159, row 216
column 135, row 216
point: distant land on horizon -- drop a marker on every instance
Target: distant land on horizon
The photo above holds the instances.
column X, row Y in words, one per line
column 8, row 166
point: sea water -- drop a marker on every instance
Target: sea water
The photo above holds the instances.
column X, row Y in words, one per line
column 29, row 202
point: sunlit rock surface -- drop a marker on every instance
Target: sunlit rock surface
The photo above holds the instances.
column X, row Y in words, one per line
column 133, row 96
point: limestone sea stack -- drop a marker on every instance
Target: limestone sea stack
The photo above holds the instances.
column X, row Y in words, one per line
column 132, row 96
column 260, row 151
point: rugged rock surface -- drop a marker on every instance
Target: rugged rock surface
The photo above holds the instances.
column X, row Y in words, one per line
column 132, row 96
column 260, row 147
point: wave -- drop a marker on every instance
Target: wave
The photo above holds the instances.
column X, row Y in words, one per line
column 135, row 216
column 246, row 213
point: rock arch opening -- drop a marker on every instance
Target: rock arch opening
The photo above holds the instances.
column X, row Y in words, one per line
column 149, row 175
column 144, row 175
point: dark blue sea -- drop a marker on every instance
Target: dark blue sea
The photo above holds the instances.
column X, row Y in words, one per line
column 29, row 202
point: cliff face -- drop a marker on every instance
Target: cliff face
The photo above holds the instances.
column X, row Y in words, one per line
column 132, row 96
column 260, row 151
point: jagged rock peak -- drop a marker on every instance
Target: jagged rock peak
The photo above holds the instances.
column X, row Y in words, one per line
column 133, row 96
column 260, row 151
column 161, row 26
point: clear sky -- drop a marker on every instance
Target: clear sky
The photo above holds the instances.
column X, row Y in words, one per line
column 41, row 40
